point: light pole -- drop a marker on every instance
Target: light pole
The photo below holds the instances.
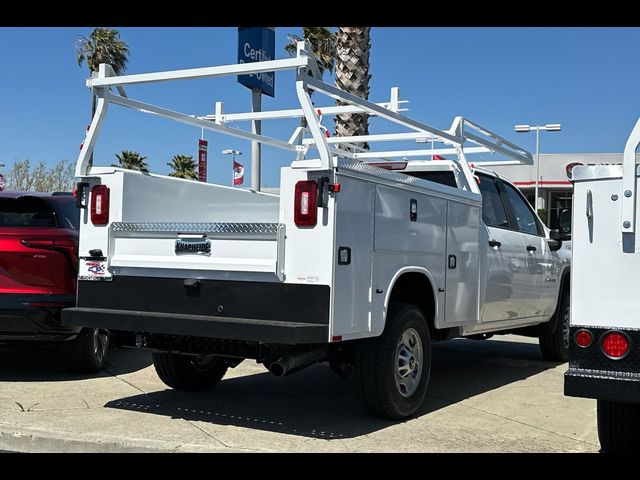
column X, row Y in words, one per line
column 549, row 127
column 234, row 153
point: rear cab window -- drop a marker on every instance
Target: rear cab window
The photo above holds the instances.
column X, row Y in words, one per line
column 494, row 213
column 26, row 212
column 443, row 177
column 525, row 218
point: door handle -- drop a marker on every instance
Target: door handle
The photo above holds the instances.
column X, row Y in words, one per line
column 495, row 244
column 531, row 248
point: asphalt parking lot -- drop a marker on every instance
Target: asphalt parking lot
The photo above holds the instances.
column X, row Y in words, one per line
column 484, row 396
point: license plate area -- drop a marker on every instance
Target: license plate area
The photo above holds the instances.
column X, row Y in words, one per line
column 94, row 270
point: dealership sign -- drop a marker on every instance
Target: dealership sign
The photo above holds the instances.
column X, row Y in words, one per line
column 257, row 44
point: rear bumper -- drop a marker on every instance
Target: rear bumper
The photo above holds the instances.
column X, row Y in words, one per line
column 603, row 385
column 591, row 374
column 21, row 321
column 246, row 311
column 197, row 325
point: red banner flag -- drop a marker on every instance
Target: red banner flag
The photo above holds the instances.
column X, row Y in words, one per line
column 202, row 160
column 238, row 173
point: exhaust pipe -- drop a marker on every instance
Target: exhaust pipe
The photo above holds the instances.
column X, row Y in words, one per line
column 294, row 361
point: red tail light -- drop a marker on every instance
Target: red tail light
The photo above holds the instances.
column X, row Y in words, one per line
column 66, row 244
column 38, row 242
column 615, row 345
column 100, row 205
column 305, row 209
column 583, row 338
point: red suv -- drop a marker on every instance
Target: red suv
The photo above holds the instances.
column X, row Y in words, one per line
column 38, row 273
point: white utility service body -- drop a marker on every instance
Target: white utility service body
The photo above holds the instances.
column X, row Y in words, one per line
column 604, row 360
column 210, row 272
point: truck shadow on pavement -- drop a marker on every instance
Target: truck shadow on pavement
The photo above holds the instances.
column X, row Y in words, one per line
column 38, row 363
column 316, row 403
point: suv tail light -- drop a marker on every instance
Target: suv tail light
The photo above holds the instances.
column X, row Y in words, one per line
column 305, row 209
column 100, row 205
column 67, row 244
column 615, row 345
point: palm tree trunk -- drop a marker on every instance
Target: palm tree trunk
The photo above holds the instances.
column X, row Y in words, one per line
column 352, row 75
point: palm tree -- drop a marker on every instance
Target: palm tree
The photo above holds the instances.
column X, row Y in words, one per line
column 323, row 43
column 352, row 75
column 102, row 46
column 132, row 161
column 184, row 166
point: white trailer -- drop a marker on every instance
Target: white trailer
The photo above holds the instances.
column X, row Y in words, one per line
column 604, row 352
column 354, row 264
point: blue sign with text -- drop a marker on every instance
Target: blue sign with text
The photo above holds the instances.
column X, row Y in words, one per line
column 257, row 44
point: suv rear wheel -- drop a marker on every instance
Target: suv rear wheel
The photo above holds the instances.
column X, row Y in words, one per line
column 87, row 353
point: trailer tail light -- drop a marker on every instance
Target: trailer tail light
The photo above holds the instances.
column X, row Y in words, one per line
column 583, row 338
column 100, row 205
column 615, row 345
column 305, row 209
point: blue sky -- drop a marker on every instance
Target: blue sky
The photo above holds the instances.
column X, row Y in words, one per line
column 587, row 79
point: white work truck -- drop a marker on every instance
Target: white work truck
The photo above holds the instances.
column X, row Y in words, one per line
column 604, row 353
column 361, row 260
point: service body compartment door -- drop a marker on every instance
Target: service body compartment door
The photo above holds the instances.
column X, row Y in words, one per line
column 410, row 236
column 462, row 263
column 352, row 257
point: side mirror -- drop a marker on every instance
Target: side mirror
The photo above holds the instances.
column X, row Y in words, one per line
column 557, row 234
column 564, row 222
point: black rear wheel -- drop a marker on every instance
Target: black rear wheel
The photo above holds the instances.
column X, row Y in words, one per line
column 392, row 370
column 619, row 426
column 189, row 372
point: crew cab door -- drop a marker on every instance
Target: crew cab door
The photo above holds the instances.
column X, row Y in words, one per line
column 504, row 279
column 538, row 298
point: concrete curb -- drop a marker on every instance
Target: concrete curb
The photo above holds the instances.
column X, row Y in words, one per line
column 30, row 440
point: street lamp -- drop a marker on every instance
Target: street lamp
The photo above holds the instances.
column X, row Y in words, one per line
column 234, row 153
column 549, row 127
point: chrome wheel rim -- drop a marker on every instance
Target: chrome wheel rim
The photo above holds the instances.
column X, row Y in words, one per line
column 100, row 343
column 408, row 362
